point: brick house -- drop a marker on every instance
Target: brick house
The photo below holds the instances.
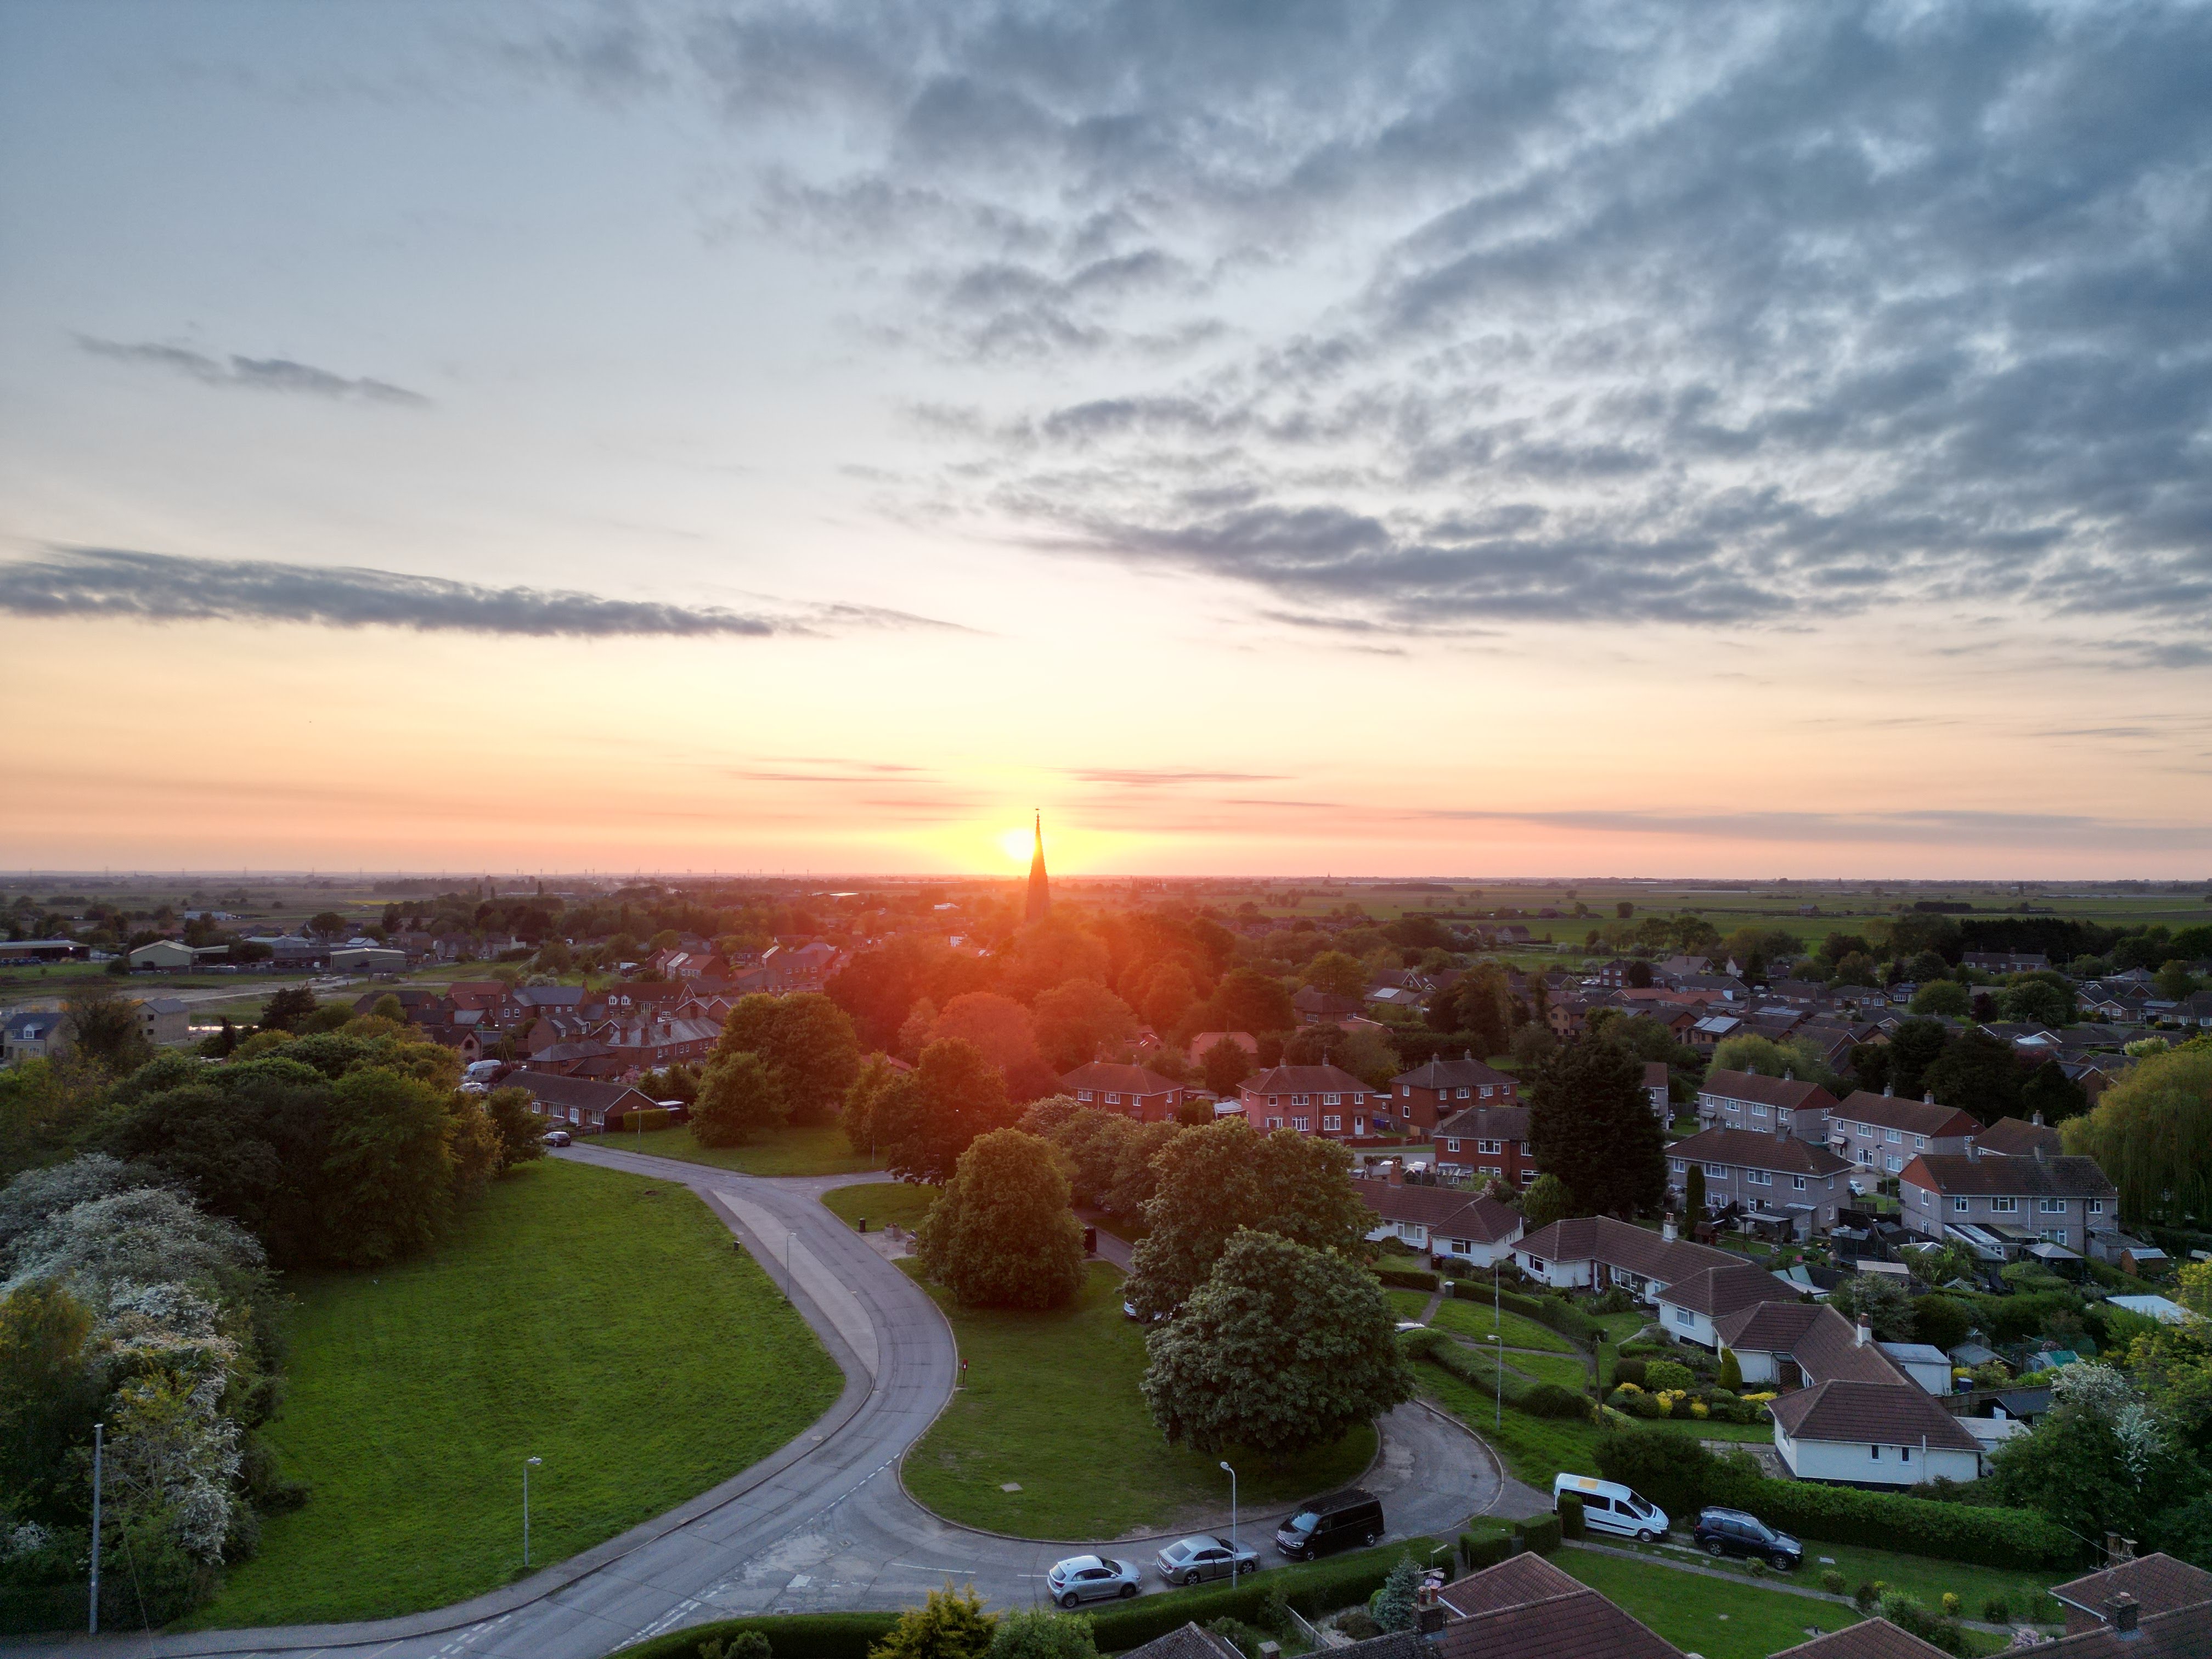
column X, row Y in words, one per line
column 578, row 1103
column 2063, row 1200
column 1135, row 1091
column 1324, row 1100
column 1884, row 1133
column 1422, row 1097
column 1773, row 1176
column 1486, row 1141
column 1745, row 1100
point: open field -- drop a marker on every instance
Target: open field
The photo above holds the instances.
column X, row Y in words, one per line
column 812, row 1150
column 543, row 1327
column 1051, row 1404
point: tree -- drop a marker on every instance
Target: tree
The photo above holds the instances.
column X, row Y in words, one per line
column 1077, row 1019
column 1693, row 1195
column 1885, row 1304
column 1285, row 1347
column 50, row 1387
column 1367, row 1054
column 1250, row 1000
column 1942, row 1321
column 1226, row 1066
column 103, row 1027
column 1623, row 908
column 1547, row 1201
column 514, row 1114
column 2151, row 1132
column 862, row 1118
column 1915, row 1046
column 931, row 1116
column 1590, row 1124
column 2101, row 1461
column 1731, row 1376
column 1394, row 1606
column 739, row 1098
column 1337, row 973
column 2174, row 981
column 388, row 1006
column 1168, row 993
column 1033, row 1634
column 473, row 1144
column 1942, row 998
column 329, row 924
column 1000, row 1027
column 951, row 1624
column 387, row 1177
column 1977, row 1073
column 1480, row 1003
column 1791, row 1057
column 2052, row 1094
column 286, row 1007
column 1215, row 1180
column 1001, row 1233
column 815, row 1055
column 2039, row 1002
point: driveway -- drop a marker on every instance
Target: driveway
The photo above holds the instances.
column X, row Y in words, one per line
column 823, row 1523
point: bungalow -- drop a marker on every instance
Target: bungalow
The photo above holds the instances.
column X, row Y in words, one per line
column 2065, row 1199
column 1775, row 1177
column 1882, row 1434
column 2151, row 1607
column 1594, row 1252
column 1524, row 1607
column 1796, row 1345
column 1136, row 1091
column 1882, row 1133
column 1487, row 1142
column 1745, row 1100
column 579, row 1102
column 1313, row 1100
column 1440, row 1220
column 1689, row 1308
column 1422, row 1097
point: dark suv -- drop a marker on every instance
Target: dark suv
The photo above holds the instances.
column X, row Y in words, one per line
column 1343, row 1520
column 1731, row 1532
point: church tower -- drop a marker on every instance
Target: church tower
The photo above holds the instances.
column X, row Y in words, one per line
column 1039, row 887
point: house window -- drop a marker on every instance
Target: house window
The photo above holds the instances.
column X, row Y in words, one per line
column 1893, row 1163
column 1490, row 1169
column 1274, row 1123
column 2004, row 1206
column 1406, row 1111
column 1892, row 1135
column 1338, row 1100
column 1490, row 1146
column 1405, row 1088
column 1759, row 1177
column 1486, row 1092
column 1959, row 1206
column 2096, row 1206
column 1920, row 1143
column 1301, row 1124
column 1113, row 1100
column 2056, row 1236
column 1684, row 1316
column 1905, row 1454
column 1759, row 1111
column 1875, row 1452
column 1678, row 1166
column 1796, row 1183
column 1332, row 1125
column 2052, row 1205
column 1528, row 1177
column 1451, row 1145
column 1717, row 1172
column 1274, row 1100
column 1359, row 1100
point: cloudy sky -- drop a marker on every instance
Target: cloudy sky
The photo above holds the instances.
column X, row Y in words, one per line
column 1278, row 436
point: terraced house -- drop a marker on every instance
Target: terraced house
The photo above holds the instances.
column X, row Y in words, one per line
column 2061, row 1199
column 1782, row 1184
column 1884, row 1133
column 1745, row 1100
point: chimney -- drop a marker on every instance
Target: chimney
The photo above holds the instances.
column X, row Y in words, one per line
column 2036, row 1118
column 1888, row 1091
column 1927, row 1099
column 1667, row 1228
column 2121, row 1610
column 1431, row 1619
column 1393, row 1173
column 1752, row 1069
column 1865, row 1331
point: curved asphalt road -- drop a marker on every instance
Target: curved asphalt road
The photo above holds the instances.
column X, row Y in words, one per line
column 823, row 1523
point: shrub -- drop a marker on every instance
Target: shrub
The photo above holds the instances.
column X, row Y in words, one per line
column 1909, row 1616
column 1659, row 1374
column 1832, row 1582
column 650, row 1117
column 1628, row 1371
column 1865, row 1596
column 1540, row 1534
column 1570, row 1515
column 1731, row 1374
column 1635, row 1402
column 1996, row 1610
column 1355, row 1623
column 1275, row 1612
column 1757, row 1568
column 1989, row 1537
column 800, row 1636
column 1950, row 1604
column 1406, row 1279
column 1478, row 1553
column 1550, row 1400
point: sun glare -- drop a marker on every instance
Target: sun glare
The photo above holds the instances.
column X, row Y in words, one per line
column 1017, row 844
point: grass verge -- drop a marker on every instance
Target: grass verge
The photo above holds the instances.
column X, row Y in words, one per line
column 597, row 1320
column 1051, row 1404
column 815, row 1149
column 1715, row 1617
column 1917, row 1575
column 1475, row 1319
column 881, row 1202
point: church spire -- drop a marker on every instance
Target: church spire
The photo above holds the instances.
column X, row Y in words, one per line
column 1039, row 887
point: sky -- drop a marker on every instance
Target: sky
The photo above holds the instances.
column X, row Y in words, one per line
column 1278, row 438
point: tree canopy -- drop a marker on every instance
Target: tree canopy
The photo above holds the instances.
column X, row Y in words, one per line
column 1591, row 1125
column 1001, row 1233
column 925, row 1118
column 2151, row 1134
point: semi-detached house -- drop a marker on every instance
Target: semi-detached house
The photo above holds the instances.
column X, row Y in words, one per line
column 1773, row 1177
column 1136, row 1091
column 2061, row 1199
column 1422, row 1097
column 1313, row 1100
column 1443, row 1221
column 1747, row 1100
column 1883, row 1134
column 1487, row 1142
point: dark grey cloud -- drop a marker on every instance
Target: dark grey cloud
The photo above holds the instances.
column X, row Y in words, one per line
column 121, row 583
column 1754, row 314
column 255, row 373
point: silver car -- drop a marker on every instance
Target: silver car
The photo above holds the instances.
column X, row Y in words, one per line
column 1188, row 1561
column 1083, row 1578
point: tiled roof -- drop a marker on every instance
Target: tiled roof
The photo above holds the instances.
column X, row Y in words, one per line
column 1444, row 1210
column 1885, row 1413
column 1916, row 1117
column 1304, row 1080
column 2031, row 1177
column 1790, row 1093
column 1757, row 1150
column 1517, row 1579
column 2159, row 1582
column 1714, row 1291
column 2012, row 1137
column 1768, row 1326
column 2185, row 1633
column 1617, row 1244
column 1486, row 1123
column 1190, row 1641
column 1824, row 1343
column 1119, row 1079
column 1465, row 1073
column 1870, row 1638
column 1572, row 1624
column 573, row 1091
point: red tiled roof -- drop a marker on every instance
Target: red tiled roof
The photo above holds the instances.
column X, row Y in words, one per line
column 1444, row 1210
column 1486, row 1123
column 1617, row 1244
column 1870, row 1638
column 2158, row 1582
column 1517, row 1579
column 1958, row 1176
column 1715, row 1292
column 1884, row 1413
column 1914, row 1117
column 1755, row 1149
column 1467, row 1073
column 2012, row 1137
column 1119, row 1079
column 1790, row 1093
column 1305, row 1080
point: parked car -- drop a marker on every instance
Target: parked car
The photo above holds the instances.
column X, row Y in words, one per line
column 1083, row 1578
column 556, row 1137
column 1188, row 1561
column 1610, row 1507
column 1733, row 1532
column 1342, row 1521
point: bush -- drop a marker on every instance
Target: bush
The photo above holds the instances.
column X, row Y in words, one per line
column 790, row 1636
column 1570, row 1515
column 1563, row 1317
column 1406, row 1279
column 650, row 1117
column 1540, row 1534
column 1909, row 1616
column 1477, row 1553
column 1950, row 1604
column 1996, row 1610
column 1832, row 1582
column 1550, row 1400
column 1636, row 1403
column 1629, row 1370
column 1865, row 1596
column 1668, row 1374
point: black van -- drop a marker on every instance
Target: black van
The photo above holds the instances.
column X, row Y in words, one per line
column 1343, row 1520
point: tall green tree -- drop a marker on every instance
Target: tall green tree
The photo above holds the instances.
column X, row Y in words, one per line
column 1285, row 1347
column 1219, row 1178
column 1001, row 1233
column 1694, row 1195
column 103, row 1027
column 1977, row 1074
column 2151, row 1134
column 931, row 1115
column 806, row 1042
column 739, row 1099
column 514, row 1116
column 1226, row 1065
column 388, row 1176
column 1338, row 973
column 1914, row 1046
column 1547, row 1201
column 1590, row 1124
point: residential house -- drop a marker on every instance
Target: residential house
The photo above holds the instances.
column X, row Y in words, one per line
column 1485, row 1143
column 1135, row 1091
column 1870, row 1638
column 1777, row 1179
column 2151, row 1607
column 1204, row 1041
column 1524, row 1607
column 1324, row 1100
column 1835, row 1039
column 1593, row 1253
column 651, row 1043
column 1689, row 1307
column 1443, row 1221
column 1879, row 1434
column 164, row 1020
column 1422, row 1098
column 1400, row 997
column 34, row 1035
column 1655, row 1087
column 1315, row 1006
column 2062, row 1199
column 1883, row 1134
column 1745, row 1100
column 2009, row 1137
column 1714, row 1030
column 1795, row 1344
column 2007, row 962
column 580, row 1102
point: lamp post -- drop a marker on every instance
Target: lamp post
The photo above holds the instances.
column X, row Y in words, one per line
column 787, row 1237
column 1497, row 1361
column 1236, row 1566
column 99, row 1433
column 528, row 1464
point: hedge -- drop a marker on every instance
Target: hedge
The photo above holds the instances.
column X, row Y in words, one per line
column 1477, row 1553
column 1541, row 1535
column 1565, row 1317
column 1406, row 1279
column 790, row 1636
column 649, row 1117
column 1571, row 1515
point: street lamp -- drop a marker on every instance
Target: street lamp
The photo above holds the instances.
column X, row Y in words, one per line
column 99, row 1435
column 787, row 1237
column 1236, row 1566
column 1497, row 1361
column 528, row 1464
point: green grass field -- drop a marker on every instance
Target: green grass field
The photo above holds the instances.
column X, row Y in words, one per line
column 881, row 1201
column 1916, row 1575
column 815, row 1150
column 543, row 1328
column 1051, row 1404
column 1563, row 1370
column 1475, row 1319
column 1406, row 1304
column 1714, row 1617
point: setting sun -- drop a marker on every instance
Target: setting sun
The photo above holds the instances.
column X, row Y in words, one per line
column 1017, row 844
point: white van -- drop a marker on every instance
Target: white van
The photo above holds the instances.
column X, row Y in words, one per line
column 1614, row 1509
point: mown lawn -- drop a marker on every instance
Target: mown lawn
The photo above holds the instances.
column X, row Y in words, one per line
column 881, row 1201
column 1405, row 1304
column 1916, row 1575
column 1473, row 1319
column 1051, row 1404
column 1567, row 1372
column 1714, row 1617
column 814, row 1150
column 597, row 1320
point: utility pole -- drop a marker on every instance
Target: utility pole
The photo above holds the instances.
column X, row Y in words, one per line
column 98, row 1432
